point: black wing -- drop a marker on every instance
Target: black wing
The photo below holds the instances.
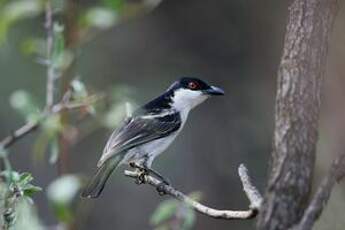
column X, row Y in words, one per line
column 140, row 130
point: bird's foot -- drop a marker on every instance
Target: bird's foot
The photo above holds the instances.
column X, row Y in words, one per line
column 141, row 179
column 136, row 166
column 143, row 172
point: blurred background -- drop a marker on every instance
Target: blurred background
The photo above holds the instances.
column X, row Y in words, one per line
column 130, row 51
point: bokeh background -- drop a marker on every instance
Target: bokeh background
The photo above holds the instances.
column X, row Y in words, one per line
column 232, row 44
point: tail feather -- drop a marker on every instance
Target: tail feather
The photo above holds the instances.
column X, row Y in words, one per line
column 98, row 181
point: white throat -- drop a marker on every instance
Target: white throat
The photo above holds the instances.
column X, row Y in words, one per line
column 184, row 100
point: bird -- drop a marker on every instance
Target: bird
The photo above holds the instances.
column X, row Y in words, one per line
column 148, row 132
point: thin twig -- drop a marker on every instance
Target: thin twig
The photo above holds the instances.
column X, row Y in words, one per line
column 251, row 192
column 18, row 134
column 50, row 66
column 55, row 109
column 322, row 195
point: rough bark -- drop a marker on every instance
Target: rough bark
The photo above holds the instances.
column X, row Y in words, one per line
column 316, row 205
column 299, row 87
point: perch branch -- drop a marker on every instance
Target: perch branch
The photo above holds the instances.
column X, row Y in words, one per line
column 322, row 195
column 250, row 190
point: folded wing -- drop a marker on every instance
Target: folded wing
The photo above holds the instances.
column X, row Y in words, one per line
column 139, row 130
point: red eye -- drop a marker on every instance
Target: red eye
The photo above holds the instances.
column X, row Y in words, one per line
column 193, row 85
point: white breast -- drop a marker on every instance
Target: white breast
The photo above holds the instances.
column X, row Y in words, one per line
column 154, row 148
column 149, row 151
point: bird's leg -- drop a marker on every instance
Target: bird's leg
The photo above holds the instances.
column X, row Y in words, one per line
column 142, row 173
column 157, row 174
column 136, row 166
column 147, row 166
column 160, row 188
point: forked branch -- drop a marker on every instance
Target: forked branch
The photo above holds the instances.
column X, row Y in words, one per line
column 322, row 195
column 65, row 104
column 250, row 190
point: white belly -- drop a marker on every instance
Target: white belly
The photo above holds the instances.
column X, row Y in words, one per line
column 156, row 147
column 149, row 151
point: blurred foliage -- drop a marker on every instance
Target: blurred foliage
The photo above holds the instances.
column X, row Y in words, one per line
column 102, row 16
column 48, row 136
column 172, row 214
column 114, row 4
column 24, row 103
column 99, row 17
column 61, row 194
column 14, row 11
column 16, row 189
column 33, row 46
column 120, row 106
column 27, row 217
column 61, row 58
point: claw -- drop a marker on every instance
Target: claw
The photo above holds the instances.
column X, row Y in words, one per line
column 141, row 179
column 138, row 181
column 132, row 165
column 139, row 167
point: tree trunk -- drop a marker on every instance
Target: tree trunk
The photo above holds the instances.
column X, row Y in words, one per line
column 298, row 97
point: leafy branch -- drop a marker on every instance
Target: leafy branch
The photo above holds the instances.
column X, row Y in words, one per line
column 64, row 105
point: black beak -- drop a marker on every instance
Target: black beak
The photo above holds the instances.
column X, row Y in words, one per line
column 214, row 91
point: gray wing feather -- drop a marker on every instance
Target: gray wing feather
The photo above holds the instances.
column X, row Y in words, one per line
column 139, row 130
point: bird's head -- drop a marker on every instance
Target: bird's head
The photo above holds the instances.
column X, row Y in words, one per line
column 190, row 92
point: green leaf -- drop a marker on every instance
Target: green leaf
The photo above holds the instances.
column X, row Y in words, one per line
column 58, row 41
column 174, row 210
column 100, row 17
column 61, row 58
column 61, row 193
column 79, row 89
column 14, row 11
column 40, row 146
column 63, row 213
column 7, row 164
column 165, row 211
column 24, row 103
column 33, row 46
column 54, row 152
column 29, row 190
column 64, row 189
column 114, row 115
column 52, row 125
column 23, row 183
column 48, row 137
column 10, row 175
column 197, row 195
column 25, row 178
column 189, row 219
column 114, row 4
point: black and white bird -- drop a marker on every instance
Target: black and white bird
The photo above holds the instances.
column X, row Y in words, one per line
column 150, row 130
